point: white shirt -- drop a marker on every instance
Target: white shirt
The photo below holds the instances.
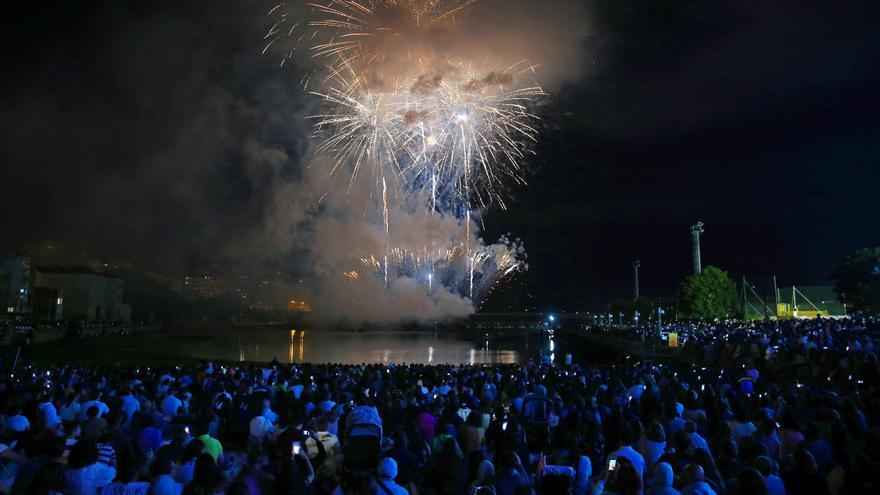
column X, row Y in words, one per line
column 89, row 479
column 69, row 413
column 51, row 414
column 102, row 409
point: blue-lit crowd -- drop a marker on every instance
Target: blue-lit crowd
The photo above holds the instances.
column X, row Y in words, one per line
column 763, row 408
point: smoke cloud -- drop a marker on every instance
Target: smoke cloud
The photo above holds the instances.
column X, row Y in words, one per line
column 162, row 135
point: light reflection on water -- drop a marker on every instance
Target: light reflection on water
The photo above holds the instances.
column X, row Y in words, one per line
column 298, row 345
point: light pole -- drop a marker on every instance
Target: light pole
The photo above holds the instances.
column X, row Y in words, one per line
column 660, row 313
column 636, row 265
column 696, row 230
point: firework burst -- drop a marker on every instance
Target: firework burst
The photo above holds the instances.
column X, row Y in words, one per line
column 452, row 132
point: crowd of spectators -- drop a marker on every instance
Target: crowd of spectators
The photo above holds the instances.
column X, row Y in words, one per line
column 788, row 408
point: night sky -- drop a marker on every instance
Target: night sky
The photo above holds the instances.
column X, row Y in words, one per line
column 140, row 130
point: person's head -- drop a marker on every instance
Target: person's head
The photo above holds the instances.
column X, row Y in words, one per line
column 627, row 480
column 92, row 412
column 202, row 427
column 704, row 459
column 72, row 430
column 55, row 446
column 193, row 449
column 322, row 422
column 206, row 472
column 663, row 475
column 475, row 419
column 727, row 449
column 238, row 487
column 507, row 459
column 83, row 453
column 387, row 469
column 690, row 427
column 131, row 472
column 804, row 462
column 693, row 473
column 764, row 465
column 656, row 433
column 162, row 466
column 485, row 471
column 556, row 484
column 681, row 441
column 750, row 482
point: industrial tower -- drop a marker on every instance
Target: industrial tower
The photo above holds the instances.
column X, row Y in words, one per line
column 696, row 230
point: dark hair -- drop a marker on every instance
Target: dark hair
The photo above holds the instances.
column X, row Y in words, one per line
column 206, row 474
column 507, row 459
column 475, row 419
column 83, row 453
column 750, row 482
column 763, row 464
column 557, row 484
column 92, row 412
column 192, row 450
column 55, row 446
column 162, row 466
column 626, row 480
column 238, row 487
column 656, row 433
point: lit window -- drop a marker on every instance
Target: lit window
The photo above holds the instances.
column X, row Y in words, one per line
column 58, row 301
column 10, row 309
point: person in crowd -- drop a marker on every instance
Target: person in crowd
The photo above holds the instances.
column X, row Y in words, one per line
column 694, row 481
column 662, row 481
column 652, row 444
column 94, row 425
column 85, row 474
column 625, row 450
column 162, row 479
column 207, row 478
column 511, row 478
column 385, row 474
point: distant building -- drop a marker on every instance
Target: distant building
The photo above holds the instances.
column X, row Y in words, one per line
column 15, row 285
column 85, row 294
column 48, row 304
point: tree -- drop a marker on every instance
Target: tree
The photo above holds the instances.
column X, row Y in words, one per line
column 709, row 294
column 857, row 280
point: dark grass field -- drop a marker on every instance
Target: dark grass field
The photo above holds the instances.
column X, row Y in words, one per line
column 155, row 347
